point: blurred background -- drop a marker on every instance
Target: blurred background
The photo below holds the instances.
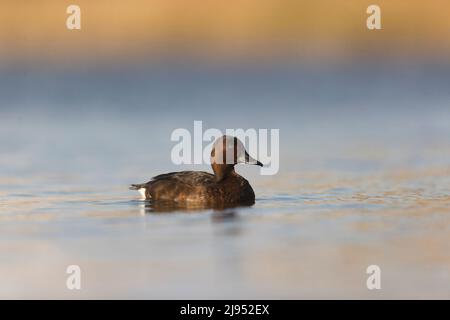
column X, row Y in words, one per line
column 139, row 31
column 364, row 119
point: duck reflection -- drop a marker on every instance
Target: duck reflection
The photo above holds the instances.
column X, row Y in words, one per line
column 220, row 212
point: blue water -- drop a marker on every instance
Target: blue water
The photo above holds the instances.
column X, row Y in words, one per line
column 364, row 179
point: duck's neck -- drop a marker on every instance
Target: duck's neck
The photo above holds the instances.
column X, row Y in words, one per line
column 222, row 171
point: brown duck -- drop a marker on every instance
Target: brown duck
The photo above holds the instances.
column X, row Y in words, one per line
column 224, row 188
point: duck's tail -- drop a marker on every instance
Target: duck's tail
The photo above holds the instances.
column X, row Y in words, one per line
column 137, row 186
column 141, row 188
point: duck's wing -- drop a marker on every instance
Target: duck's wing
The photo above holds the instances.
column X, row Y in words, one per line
column 174, row 185
column 164, row 176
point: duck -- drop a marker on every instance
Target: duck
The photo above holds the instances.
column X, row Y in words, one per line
column 222, row 188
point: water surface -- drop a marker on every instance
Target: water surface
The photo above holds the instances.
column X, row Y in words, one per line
column 364, row 179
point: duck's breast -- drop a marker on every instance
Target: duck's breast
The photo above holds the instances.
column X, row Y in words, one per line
column 238, row 190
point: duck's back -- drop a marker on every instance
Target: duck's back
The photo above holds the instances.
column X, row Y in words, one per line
column 198, row 187
column 179, row 186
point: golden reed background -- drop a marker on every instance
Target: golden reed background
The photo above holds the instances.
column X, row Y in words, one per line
column 132, row 30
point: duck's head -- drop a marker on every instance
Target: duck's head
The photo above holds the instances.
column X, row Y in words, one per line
column 228, row 151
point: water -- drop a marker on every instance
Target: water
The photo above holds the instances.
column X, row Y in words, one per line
column 364, row 179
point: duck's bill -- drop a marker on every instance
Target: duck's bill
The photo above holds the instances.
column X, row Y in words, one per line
column 250, row 160
column 258, row 164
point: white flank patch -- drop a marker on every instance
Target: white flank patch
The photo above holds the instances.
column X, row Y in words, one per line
column 142, row 192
